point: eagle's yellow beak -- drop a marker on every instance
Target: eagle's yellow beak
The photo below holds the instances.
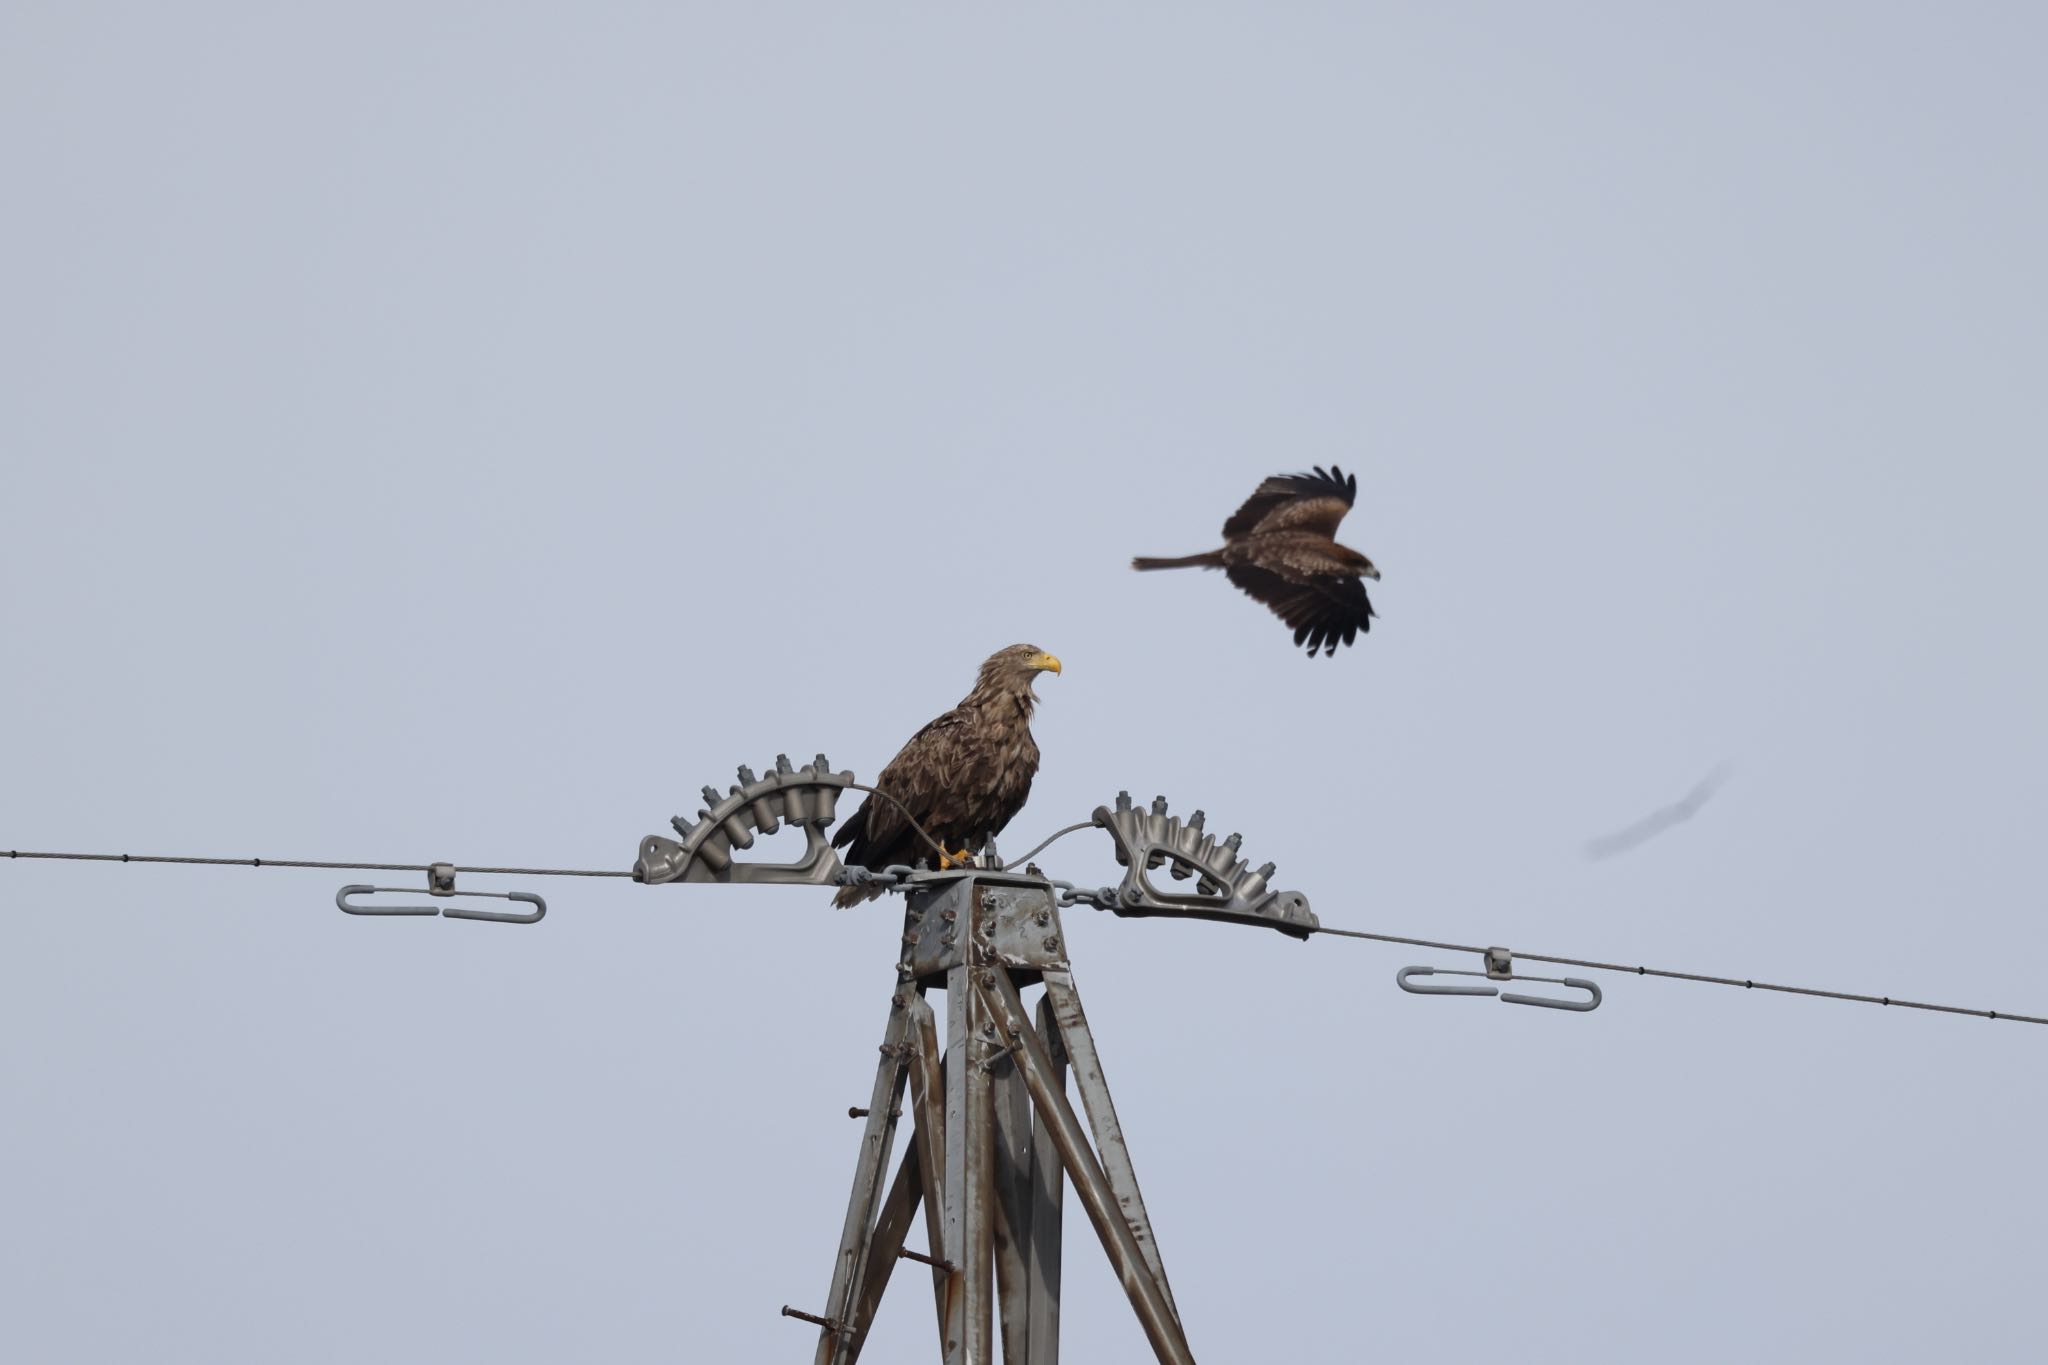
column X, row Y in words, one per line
column 1045, row 663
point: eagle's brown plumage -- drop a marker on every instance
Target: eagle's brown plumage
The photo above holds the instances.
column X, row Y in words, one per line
column 963, row 776
column 1281, row 549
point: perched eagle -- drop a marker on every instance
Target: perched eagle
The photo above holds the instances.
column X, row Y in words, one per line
column 963, row 776
column 1281, row 549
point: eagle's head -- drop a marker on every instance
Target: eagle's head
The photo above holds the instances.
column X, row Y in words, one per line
column 1015, row 667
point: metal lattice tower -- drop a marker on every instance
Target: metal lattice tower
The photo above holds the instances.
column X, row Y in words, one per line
column 994, row 1139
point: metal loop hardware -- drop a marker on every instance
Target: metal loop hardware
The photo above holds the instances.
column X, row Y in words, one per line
column 441, row 882
column 1500, row 967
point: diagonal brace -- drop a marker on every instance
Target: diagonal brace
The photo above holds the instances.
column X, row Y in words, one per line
column 1155, row 1314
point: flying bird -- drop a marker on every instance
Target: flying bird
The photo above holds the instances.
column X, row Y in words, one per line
column 1659, row 820
column 1281, row 549
column 962, row 777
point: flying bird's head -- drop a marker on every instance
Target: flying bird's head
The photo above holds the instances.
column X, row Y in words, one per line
column 1360, row 565
column 1015, row 667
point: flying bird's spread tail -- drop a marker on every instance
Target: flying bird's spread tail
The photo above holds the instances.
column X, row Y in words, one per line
column 957, row 782
column 1281, row 549
column 1211, row 560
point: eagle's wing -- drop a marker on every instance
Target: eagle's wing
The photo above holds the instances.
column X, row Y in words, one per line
column 1324, row 610
column 913, row 777
column 1296, row 502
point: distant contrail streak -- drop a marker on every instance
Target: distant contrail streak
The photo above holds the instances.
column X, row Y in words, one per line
column 1655, row 823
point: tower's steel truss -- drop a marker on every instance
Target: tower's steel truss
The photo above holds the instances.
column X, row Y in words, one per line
column 994, row 1139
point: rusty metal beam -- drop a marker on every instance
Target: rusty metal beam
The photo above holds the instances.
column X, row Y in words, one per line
column 928, row 1104
column 1155, row 1314
column 1109, row 1134
column 1013, row 1208
column 906, row 1192
column 1048, row 1188
column 877, row 1138
column 969, row 1193
column 1030, row 1183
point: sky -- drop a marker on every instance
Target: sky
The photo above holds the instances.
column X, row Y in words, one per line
column 464, row 431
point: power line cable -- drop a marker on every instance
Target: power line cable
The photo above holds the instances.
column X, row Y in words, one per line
column 1745, row 983
column 1050, row 840
column 1587, row 963
column 303, row 862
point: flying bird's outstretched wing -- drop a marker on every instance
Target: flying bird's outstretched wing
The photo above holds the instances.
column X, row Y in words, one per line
column 1281, row 549
column 1315, row 503
column 1323, row 611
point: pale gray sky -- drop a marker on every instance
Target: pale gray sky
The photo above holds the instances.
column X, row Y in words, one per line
column 463, row 431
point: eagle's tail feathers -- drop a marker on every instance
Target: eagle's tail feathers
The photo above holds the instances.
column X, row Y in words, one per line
column 1211, row 560
column 849, row 896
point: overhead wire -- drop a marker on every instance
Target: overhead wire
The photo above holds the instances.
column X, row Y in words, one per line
column 423, row 867
column 1052, row 839
column 1588, row 964
column 1745, row 983
column 945, row 855
column 306, row 862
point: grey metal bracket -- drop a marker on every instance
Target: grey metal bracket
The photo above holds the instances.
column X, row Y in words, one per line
column 441, row 882
column 1017, row 923
column 805, row 798
column 1226, row 888
column 1500, row 967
